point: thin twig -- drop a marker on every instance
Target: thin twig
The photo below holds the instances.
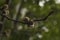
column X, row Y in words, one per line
column 34, row 20
column 11, row 19
column 43, row 19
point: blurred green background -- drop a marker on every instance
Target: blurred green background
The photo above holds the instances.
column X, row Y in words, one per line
column 37, row 9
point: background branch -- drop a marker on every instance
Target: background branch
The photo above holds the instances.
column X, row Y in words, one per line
column 45, row 18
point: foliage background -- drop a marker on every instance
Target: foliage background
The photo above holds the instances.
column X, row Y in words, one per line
column 52, row 23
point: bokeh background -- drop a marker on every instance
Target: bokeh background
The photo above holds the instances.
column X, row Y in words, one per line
column 34, row 9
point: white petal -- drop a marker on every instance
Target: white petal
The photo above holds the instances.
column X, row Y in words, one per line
column 19, row 27
column 39, row 35
column 57, row 1
column 47, row 0
column 45, row 29
column 41, row 3
column 23, row 12
column 25, row 0
column 30, row 38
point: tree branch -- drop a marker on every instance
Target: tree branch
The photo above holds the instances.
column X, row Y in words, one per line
column 45, row 17
column 11, row 19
